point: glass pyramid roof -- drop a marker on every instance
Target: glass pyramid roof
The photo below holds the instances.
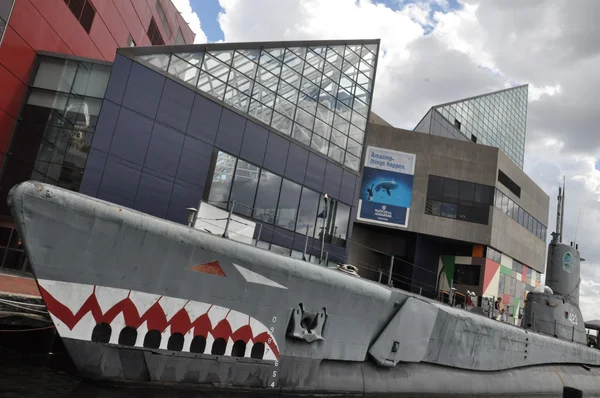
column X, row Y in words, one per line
column 318, row 93
column 497, row 119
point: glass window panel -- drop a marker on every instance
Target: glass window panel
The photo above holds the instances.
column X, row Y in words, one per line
column 340, row 228
column 244, row 65
column 269, row 63
column 332, row 72
column 343, row 110
column 192, row 58
column 312, row 75
column 314, row 60
column 367, row 55
column 505, row 200
column 293, row 61
column 288, row 205
column 290, row 76
column 263, row 95
column 347, row 85
column 320, row 51
column 352, row 161
column 307, row 212
column 223, row 56
column 299, row 51
column 266, row 197
column 308, row 87
column 435, row 186
column 334, row 58
column 81, row 114
column 288, row 92
column 352, row 54
column 326, row 100
column 372, row 48
column 215, row 67
column 184, row 70
column 92, row 79
column 260, row 111
column 339, row 139
column 363, row 80
column 56, row 74
column 161, row 61
column 498, row 199
column 367, row 70
column 337, row 49
column 329, row 86
column 520, row 216
column 324, row 112
column 448, row 210
column 336, row 153
column 267, row 79
column 252, row 54
column 362, row 95
column 244, row 186
column 483, row 194
column 240, row 82
column 354, row 148
column 451, row 188
column 284, row 107
column 436, row 208
column 320, row 144
column 467, row 191
column 276, row 53
column 359, row 121
column 322, row 128
column 356, row 134
column 307, row 102
column 281, row 123
column 222, row 179
column 341, row 124
column 350, row 69
column 237, row 99
column 304, row 118
column 301, row 134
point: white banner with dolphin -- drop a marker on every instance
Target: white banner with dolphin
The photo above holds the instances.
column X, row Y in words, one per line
column 386, row 187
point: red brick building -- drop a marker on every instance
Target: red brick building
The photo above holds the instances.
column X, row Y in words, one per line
column 91, row 29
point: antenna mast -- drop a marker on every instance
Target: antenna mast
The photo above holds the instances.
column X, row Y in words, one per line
column 560, row 210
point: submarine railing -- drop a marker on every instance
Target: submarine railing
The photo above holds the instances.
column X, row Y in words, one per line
column 232, row 205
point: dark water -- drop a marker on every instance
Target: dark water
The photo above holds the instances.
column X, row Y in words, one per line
column 27, row 370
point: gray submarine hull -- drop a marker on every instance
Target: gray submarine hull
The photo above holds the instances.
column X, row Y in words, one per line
column 137, row 299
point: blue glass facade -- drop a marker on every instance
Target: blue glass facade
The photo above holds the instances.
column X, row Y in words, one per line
column 159, row 143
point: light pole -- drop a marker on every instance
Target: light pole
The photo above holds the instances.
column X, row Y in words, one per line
column 324, row 215
column 191, row 216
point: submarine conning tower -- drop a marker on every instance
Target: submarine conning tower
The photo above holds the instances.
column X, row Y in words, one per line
column 563, row 270
column 553, row 309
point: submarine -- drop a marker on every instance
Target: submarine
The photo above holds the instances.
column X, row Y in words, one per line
column 140, row 300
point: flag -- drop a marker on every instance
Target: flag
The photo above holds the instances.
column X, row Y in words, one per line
column 323, row 214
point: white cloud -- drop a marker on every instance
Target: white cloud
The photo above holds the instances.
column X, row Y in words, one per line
column 191, row 17
column 486, row 45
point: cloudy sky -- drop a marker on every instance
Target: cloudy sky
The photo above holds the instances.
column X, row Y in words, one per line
column 435, row 51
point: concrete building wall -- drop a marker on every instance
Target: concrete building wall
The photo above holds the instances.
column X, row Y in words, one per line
column 443, row 157
column 476, row 163
column 376, row 119
column 511, row 238
column 533, row 199
column 508, row 235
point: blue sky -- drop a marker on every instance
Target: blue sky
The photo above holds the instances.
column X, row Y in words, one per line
column 208, row 11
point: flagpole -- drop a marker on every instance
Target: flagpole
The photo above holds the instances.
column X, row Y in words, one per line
column 323, row 231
